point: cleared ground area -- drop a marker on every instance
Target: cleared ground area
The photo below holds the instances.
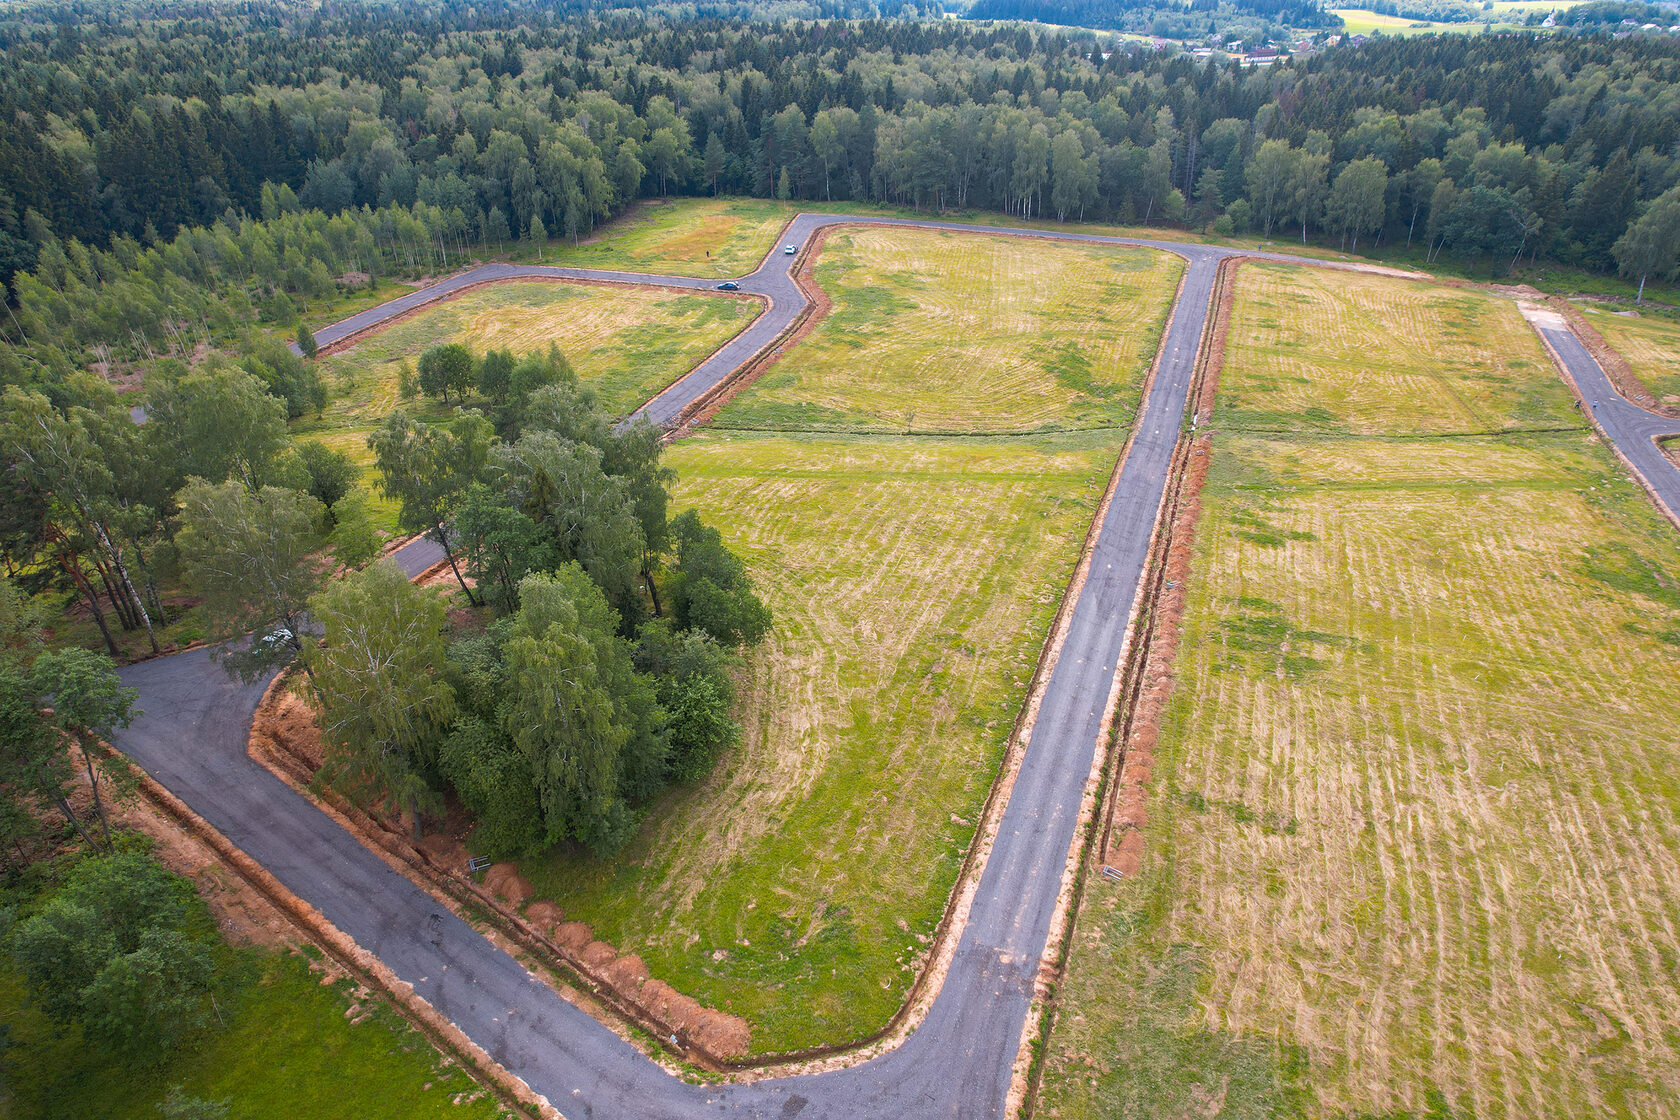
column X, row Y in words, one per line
column 1651, row 344
column 947, row 332
column 688, row 237
column 626, row 342
column 1412, row 833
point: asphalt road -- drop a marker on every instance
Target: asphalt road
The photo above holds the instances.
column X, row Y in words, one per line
column 1633, row 430
column 958, row 1062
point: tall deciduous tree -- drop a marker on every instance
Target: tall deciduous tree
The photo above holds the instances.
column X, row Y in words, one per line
column 89, row 704
column 1358, row 200
column 113, row 949
column 589, row 726
column 1651, row 245
column 379, row 682
column 427, row 468
column 248, row 556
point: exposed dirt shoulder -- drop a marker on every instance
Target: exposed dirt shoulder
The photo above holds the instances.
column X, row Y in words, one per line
column 1117, row 789
column 1621, row 373
column 191, row 838
column 615, row 988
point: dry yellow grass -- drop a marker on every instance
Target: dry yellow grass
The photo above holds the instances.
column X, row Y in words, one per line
column 1652, row 347
column 1313, row 349
column 944, row 332
column 628, row 343
column 1414, row 836
column 913, row 582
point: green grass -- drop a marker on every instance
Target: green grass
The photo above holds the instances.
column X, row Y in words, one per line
column 287, row 1050
column 938, row 332
column 628, row 343
column 1651, row 345
column 913, row 578
column 1410, row 830
column 1338, row 352
column 715, row 237
column 913, row 582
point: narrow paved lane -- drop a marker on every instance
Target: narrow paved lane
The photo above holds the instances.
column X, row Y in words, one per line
column 1633, row 430
column 958, row 1063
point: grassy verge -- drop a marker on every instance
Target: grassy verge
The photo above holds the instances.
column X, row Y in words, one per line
column 284, row 1042
column 628, row 343
column 913, row 582
column 1650, row 343
column 1411, row 830
column 1316, row 350
column 940, row 332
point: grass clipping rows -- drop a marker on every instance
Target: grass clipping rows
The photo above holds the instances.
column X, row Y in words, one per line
column 1413, row 828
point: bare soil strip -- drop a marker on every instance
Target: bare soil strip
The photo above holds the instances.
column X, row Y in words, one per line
column 1621, row 373
column 312, row 926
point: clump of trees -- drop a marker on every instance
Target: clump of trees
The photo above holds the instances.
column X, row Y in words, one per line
column 585, row 695
column 122, row 949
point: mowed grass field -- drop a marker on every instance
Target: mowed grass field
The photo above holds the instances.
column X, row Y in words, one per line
column 1320, row 350
column 1414, row 821
column 628, row 343
column 936, row 332
column 1651, row 344
column 687, row 237
column 913, row 580
column 913, row 584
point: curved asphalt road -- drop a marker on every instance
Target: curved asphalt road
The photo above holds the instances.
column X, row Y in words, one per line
column 958, row 1062
column 1632, row 429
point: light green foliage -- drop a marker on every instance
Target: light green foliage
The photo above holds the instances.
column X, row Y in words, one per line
column 500, row 545
column 589, row 514
column 691, row 675
column 248, row 555
column 450, row 366
column 427, row 467
column 219, row 422
column 119, row 950
column 1358, row 200
column 587, row 723
column 378, row 681
column 331, row 474
column 89, row 704
column 710, row 590
column 494, row 779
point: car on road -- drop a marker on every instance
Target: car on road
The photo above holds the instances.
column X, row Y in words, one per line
column 729, row 286
column 791, row 250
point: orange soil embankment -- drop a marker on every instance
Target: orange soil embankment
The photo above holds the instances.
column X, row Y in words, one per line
column 285, row 739
column 1621, row 373
column 309, row 921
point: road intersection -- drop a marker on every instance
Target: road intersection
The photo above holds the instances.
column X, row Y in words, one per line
column 959, row 1061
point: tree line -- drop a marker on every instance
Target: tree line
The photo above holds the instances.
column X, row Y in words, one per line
column 478, row 124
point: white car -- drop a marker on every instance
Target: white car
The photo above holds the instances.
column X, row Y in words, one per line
column 791, row 250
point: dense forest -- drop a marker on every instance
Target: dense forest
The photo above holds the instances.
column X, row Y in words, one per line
column 420, row 129
column 176, row 178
